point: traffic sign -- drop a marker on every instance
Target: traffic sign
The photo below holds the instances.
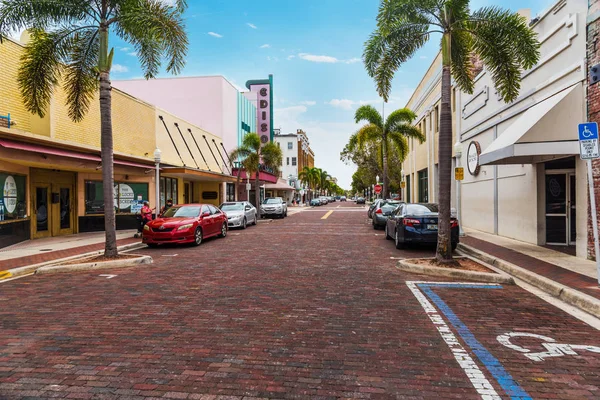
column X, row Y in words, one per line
column 588, row 141
column 403, row 184
column 378, row 189
column 459, row 173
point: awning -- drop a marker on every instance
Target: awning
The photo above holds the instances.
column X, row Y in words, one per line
column 544, row 132
column 279, row 186
column 195, row 175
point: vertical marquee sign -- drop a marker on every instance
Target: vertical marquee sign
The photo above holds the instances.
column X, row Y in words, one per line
column 264, row 107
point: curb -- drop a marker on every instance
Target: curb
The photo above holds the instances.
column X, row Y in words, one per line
column 406, row 265
column 569, row 295
column 29, row 269
column 54, row 269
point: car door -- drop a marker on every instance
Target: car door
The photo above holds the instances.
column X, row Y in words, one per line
column 206, row 221
column 215, row 219
column 249, row 212
column 402, row 210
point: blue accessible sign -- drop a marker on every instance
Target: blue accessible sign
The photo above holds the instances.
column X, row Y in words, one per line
column 588, row 141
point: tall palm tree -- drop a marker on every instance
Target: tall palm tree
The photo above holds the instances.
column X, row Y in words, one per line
column 308, row 176
column 69, row 40
column 252, row 153
column 322, row 180
column 501, row 39
column 390, row 135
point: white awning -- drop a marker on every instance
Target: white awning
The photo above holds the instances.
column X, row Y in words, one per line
column 544, row 132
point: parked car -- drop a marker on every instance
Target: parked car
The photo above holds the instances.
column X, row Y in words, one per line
column 315, row 202
column 324, row 200
column 372, row 208
column 417, row 223
column 343, row 198
column 186, row 223
column 273, row 206
column 331, row 199
column 360, row 200
column 382, row 211
column 239, row 213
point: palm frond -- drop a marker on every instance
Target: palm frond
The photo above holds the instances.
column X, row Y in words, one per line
column 461, row 49
column 409, row 131
column 368, row 134
column 272, row 156
column 252, row 141
column 400, row 144
column 81, row 81
column 399, row 117
column 369, row 114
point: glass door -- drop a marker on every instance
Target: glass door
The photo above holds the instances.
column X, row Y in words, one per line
column 62, row 210
column 41, row 209
column 556, row 209
column 572, row 209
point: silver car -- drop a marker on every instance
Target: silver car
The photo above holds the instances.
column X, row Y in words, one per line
column 274, row 206
column 239, row 213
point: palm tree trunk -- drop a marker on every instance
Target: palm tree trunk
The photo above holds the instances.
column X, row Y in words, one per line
column 444, row 248
column 106, row 144
column 384, row 151
column 257, row 193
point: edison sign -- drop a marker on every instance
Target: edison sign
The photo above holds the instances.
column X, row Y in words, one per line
column 263, row 111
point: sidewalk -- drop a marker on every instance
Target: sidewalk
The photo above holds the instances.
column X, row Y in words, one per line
column 33, row 252
column 545, row 268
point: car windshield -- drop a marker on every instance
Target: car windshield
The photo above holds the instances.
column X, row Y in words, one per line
column 389, row 205
column 421, row 208
column 182, row 212
column 272, row 201
column 232, row 207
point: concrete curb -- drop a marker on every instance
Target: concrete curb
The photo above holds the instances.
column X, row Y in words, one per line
column 407, row 266
column 569, row 295
column 29, row 269
column 55, row 269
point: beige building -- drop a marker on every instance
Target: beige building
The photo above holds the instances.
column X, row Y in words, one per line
column 523, row 176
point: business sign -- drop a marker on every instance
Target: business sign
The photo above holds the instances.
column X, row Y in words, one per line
column 263, row 111
column 403, row 184
column 588, row 141
column 459, row 173
column 10, row 194
column 125, row 197
column 473, row 158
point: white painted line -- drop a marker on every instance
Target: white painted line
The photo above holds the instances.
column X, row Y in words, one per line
column 477, row 378
column 107, row 276
column 170, row 255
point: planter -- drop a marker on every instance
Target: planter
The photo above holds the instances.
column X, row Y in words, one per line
column 94, row 264
column 421, row 266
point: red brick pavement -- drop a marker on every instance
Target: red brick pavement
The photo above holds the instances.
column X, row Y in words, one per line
column 57, row 255
column 580, row 282
column 296, row 308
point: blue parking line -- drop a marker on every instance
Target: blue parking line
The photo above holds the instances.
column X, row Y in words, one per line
column 504, row 379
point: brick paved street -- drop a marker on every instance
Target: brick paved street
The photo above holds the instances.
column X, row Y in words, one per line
column 321, row 312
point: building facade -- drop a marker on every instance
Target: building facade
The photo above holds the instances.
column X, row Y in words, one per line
column 297, row 154
column 51, row 169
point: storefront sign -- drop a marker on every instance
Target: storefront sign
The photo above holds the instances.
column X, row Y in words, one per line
column 473, row 157
column 264, row 107
column 403, row 184
column 10, row 194
column 125, row 196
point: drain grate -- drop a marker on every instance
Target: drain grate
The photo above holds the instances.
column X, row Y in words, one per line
column 45, row 249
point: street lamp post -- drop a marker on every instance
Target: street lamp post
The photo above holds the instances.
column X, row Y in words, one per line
column 157, row 154
column 458, row 154
column 377, row 183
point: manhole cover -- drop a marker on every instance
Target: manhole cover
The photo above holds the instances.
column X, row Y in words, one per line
column 45, row 249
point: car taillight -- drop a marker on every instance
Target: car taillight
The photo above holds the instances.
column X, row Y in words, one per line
column 454, row 223
column 379, row 211
column 411, row 222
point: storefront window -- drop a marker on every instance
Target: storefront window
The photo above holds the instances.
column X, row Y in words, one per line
column 230, row 192
column 423, row 186
column 128, row 197
column 168, row 190
column 12, row 200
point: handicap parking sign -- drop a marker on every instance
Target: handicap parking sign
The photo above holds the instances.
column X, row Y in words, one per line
column 588, row 140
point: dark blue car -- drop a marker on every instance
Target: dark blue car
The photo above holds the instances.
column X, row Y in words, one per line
column 417, row 223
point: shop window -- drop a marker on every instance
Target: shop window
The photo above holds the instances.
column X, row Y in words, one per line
column 287, row 160
column 423, row 186
column 168, row 190
column 128, row 197
column 12, row 197
column 230, row 192
column 293, row 160
column 210, row 195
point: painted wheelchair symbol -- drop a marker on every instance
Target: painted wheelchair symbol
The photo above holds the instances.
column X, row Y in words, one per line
column 553, row 349
column 586, row 133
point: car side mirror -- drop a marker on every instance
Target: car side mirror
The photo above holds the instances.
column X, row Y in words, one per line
column 248, row 208
column 206, row 214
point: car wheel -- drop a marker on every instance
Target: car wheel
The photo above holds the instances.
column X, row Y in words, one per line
column 223, row 230
column 152, row 245
column 387, row 236
column 198, row 237
column 399, row 244
column 454, row 245
column 244, row 223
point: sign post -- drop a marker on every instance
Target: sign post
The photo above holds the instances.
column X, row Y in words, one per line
column 588, row 150
column 378, row 188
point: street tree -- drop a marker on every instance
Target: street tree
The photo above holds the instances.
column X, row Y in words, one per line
column 253, row 155
column 322, row 180
column 388, row 135
column 69, row 42
column 309, row 177
column 501, row 39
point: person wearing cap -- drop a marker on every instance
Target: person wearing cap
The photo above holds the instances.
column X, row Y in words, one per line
column 167, row 206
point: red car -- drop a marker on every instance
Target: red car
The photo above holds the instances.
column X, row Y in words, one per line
column 186, row 223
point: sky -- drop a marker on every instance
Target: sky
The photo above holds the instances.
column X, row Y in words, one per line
column 313, row 48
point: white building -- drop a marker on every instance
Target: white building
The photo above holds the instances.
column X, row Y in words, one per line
column 289, row 147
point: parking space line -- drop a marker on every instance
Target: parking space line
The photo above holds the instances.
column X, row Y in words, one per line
column 327, row 215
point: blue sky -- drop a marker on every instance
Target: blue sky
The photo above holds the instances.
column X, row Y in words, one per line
column 313, row 49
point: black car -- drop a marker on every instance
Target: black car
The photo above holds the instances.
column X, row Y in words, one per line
column 381, row 212
column 417, row 223
column 360, row 200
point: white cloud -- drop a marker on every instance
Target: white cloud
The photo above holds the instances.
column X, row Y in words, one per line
column 118, row 68
column 344, row 104
column 325, row 59
column 251, row 25
column 214, row 34
column 290, row 57
column 265, row 46
column 124, row 49
column 132, row 54
column 308, row 103
column 269, row 58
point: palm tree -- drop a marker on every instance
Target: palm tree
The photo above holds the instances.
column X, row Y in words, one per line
column 69, row 40
column 308, row 176
column 389, row 135
column 501, row 39
column 251, row 154
column 322, row 180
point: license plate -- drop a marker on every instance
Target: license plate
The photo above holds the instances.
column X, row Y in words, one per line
column 432, row 227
